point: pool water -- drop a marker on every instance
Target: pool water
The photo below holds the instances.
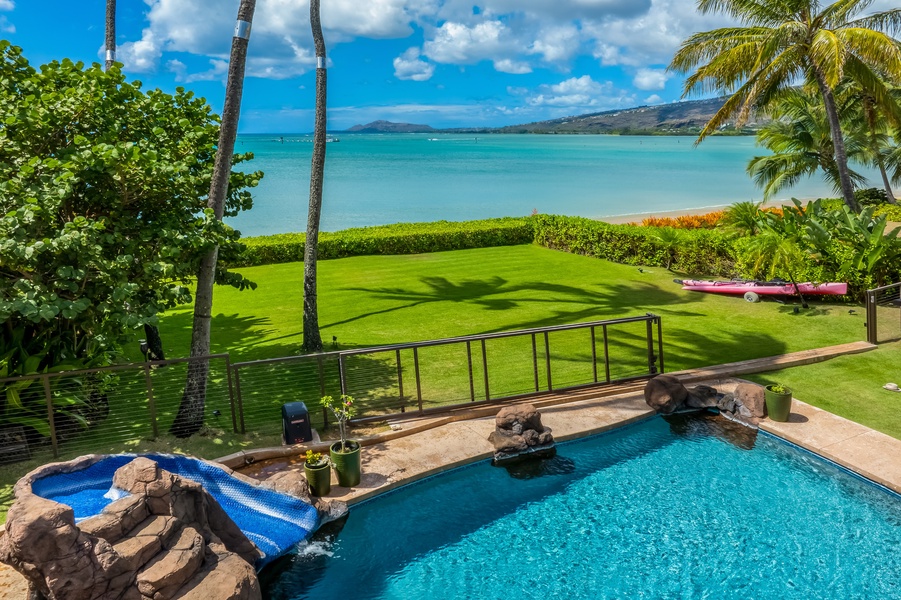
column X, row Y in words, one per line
column 682, row 507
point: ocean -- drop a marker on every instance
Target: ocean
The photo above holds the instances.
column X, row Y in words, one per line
column 375, row 179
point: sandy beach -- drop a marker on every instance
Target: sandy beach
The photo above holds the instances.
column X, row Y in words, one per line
column 638, row 217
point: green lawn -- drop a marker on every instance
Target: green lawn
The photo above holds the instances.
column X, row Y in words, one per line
column 376, row 300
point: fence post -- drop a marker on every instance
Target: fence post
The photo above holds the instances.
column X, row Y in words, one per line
column 342, row 374
column 400, row 381
column 151, row 404
column 231, row 393
column 652, row 360
column 54, row 443
column 547, row 360
column 240, row 400
column 472, row 382
column 594, row 356
column 660, row 342
column 418, row 383
column 872, row 332
column 485, row 369
column 606, row 355
column 535, row 360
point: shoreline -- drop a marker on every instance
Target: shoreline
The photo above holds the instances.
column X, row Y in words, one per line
column 701, row 210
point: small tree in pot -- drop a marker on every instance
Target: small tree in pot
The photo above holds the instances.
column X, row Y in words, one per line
column 319, row 476
column 345, row 455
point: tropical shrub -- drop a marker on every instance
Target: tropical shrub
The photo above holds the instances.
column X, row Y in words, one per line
column 704, row 251
column 400, row 238
column 705, row 221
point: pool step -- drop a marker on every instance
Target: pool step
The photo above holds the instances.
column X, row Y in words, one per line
column 146, row 540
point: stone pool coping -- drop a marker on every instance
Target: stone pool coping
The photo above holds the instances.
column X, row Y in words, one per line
column 395, row 462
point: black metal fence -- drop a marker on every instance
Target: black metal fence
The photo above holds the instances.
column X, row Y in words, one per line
column 438, row 374
column 884, row 314
column 96, row 409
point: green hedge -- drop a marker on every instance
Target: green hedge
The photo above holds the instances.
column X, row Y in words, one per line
column 400, row 238
column 891, row 211
column 696, row 251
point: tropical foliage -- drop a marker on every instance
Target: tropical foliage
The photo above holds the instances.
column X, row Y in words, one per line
column 783, row 42
column 103, row 220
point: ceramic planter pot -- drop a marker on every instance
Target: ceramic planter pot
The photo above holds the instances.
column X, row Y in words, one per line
column 319, row 478
column 778, row 405
column 347, row 464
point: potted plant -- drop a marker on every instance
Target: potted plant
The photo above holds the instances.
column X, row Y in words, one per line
column 778, row 401
column 319, row 475
column 345, row 455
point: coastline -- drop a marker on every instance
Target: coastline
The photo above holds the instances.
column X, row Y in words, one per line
column 702, row 210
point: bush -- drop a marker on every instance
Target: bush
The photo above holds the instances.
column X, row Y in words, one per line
column 705, row 221
column 892, row 212
column 400, row 238
column 870, row 197
column 692, row 251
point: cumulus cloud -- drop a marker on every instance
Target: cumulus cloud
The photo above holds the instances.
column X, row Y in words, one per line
column 651, row 79
column 281, row 41
column 457, row 43
column 409, row 66
column 5, row 25
column 580, row 93
column 653, row 99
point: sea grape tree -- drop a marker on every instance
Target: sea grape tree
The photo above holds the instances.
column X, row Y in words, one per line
column 102, row 211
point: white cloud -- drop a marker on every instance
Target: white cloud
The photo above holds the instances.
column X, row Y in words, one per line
column 457, row 43
column 409, row 66
column 653, row 99
column 5, row 25
column 651, row 79
column 506, row 65
column 580, row 93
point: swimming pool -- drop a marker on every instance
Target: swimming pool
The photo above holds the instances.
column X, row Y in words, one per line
column 683, row 507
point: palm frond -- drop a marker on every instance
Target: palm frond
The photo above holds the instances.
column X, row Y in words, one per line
column 827, row 53
column 888, row 21
column 838, row 13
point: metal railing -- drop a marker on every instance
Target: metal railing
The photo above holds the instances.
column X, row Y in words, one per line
column 110, row 408
column 440, row 374
column 884, row 314
column 94, row 409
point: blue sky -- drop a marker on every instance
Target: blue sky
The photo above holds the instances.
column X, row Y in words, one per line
column 445, row 63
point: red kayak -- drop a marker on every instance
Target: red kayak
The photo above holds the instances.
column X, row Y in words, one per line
column 763, row 288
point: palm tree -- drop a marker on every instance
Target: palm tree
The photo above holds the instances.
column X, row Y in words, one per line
column 782, row 42
column 110, row 33
column 190, row 415
column 312, row 340
column 800, row 139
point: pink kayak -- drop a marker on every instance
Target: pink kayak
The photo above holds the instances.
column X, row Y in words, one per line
column 762, row 288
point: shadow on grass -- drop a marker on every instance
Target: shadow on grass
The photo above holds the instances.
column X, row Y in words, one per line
column 591, row 302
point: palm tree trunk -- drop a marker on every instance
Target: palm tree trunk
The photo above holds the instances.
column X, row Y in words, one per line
column 870, row 115
column 190, row 415
column 110, row 33
column 838, row 141
column 312, row 341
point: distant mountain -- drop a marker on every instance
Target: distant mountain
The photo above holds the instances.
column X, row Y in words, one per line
column 389, row 127
column 678, row 118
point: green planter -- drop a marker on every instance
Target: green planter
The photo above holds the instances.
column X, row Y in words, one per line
column 347, row 464
column 778, row 405
column 319, row 478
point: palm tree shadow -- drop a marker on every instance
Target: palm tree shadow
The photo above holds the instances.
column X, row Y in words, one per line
column 571, row 303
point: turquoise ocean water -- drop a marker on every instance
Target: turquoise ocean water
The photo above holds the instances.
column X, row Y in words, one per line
column 374, row 179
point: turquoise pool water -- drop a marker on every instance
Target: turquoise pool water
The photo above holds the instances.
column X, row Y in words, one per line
column 688, row 507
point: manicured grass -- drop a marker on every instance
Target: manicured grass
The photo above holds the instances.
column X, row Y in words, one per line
column 375, row 300
column 850, row 386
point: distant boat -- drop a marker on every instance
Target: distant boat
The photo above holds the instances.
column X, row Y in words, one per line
column 763, row 288
column 332, row 140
